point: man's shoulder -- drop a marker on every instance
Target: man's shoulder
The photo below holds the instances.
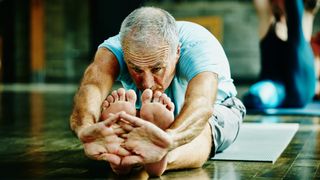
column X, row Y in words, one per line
column 190, row 31
column 187, row 25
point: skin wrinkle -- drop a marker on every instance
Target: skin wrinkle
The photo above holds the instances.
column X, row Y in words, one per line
column 151, row 69
column 143, row 59
column 156, row 65
column 147, row 71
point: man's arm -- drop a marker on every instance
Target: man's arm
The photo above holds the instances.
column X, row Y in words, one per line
column 197, row 109
column 95, row 86
column 189, row 130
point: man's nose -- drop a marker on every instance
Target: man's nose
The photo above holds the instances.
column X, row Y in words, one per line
column 148, row 81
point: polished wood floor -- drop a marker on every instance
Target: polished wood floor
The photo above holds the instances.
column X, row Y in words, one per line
column 36, row 143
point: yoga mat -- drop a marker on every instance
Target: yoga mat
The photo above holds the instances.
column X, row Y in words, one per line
column 312, row 109
column 259, row 142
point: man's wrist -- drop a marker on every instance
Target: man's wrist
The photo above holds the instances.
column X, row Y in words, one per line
column 173, row 143
column 78, row 123
column 79, row 129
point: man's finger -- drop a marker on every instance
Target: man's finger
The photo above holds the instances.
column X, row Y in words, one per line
column 124, row 136
column 111, row 119
column 132, row 119
column 118, row 130
column 123, row 152
column 125, row 126
column 120, row 170
column 132, row 160
column 93, row 151
column 93, row 132
column 112, row 158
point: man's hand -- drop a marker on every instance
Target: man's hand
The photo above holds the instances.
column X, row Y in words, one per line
column 148, row 142
column 102, row 140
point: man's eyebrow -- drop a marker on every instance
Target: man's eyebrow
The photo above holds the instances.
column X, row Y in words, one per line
column 156, row 65
column 151, row 66
column 133, row 65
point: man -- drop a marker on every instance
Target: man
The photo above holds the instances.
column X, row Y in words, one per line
column 177, row 76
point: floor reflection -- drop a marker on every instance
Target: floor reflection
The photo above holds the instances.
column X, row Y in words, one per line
column 14, row 106
column 30, row 125
column 37, row 112
column 36, row 132
column 190, row 174
column 36, row 142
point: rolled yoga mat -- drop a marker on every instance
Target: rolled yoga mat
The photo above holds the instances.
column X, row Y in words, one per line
column 312, row 109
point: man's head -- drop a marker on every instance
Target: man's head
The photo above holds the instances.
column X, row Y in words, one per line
column 150, row 44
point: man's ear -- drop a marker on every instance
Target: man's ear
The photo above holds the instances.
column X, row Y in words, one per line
column 178, row 53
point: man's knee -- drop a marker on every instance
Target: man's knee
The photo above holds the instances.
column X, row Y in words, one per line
column 226, row 123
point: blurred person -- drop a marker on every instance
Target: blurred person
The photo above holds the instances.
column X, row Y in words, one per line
column 287, row 77
column 315, row 43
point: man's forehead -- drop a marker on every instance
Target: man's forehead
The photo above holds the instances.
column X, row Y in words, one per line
column 156, row 63
column 154, row 58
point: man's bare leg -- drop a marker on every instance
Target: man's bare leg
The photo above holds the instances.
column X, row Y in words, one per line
column 145, row 136
column 119, row 100
column 190, row 155
column 158, row 109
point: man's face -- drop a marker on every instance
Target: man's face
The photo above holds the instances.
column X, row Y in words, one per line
column 152, row 70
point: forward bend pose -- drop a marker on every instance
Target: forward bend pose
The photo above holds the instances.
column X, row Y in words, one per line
column 177, row 106
column 287, row 76
column 315, row 42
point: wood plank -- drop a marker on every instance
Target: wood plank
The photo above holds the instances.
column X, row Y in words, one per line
column 37, row 36
column 213, row 23
column 1, row 57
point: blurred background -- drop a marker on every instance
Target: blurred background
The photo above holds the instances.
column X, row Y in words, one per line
column 45, row 46
column 52, row 41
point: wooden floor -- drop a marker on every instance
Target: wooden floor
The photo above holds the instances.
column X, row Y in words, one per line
column 36, row 142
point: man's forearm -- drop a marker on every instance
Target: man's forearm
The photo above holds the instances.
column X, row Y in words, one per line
column 197, row 109
column 87, row 107
column 96, row 84
column 192, row 125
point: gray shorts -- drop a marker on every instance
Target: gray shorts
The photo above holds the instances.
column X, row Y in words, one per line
column 225, row 123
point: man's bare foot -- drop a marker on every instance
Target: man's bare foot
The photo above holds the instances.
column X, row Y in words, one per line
column 119, row 100
column 158, row 109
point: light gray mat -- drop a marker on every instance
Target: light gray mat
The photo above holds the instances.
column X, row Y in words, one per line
column 259, row 142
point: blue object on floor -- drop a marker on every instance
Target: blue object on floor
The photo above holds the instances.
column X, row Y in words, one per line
column 265, row 94
column 312, row 109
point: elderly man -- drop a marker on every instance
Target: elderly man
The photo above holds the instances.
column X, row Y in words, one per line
column 177, row 106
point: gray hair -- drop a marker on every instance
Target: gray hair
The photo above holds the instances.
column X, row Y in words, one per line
column 149, row 27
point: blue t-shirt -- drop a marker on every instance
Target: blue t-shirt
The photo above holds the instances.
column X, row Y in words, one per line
column 200, row 52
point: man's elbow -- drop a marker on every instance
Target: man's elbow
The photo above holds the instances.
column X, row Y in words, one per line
column 209, row 111
column 206, row 107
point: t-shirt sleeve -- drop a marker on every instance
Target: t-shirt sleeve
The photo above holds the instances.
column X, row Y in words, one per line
column 114, row 45
column 201, row 52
